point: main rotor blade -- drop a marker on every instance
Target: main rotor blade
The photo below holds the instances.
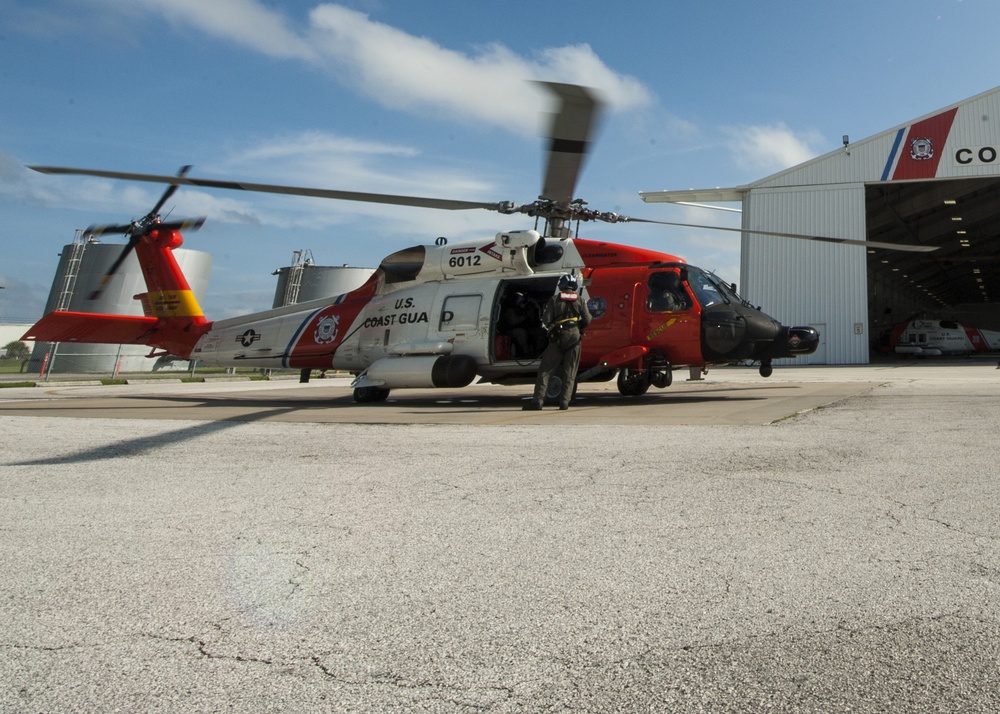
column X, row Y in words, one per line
column 906, row 247
column 416, row 201
column 559, row 168
column 569, row 138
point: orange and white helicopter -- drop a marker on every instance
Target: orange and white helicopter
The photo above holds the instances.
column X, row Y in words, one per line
column 442, row 315
column 933, row 337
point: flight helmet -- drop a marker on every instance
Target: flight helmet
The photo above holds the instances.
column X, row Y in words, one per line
column 568, row 284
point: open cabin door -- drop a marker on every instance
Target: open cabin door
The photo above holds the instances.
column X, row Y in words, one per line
column 518, row 335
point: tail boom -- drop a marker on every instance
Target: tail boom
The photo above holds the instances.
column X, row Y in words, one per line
column 175, row 335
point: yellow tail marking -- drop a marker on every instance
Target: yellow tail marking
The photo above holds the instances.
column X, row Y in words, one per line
column 174, row 303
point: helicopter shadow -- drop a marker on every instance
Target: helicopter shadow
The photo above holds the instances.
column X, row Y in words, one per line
column 138, row 446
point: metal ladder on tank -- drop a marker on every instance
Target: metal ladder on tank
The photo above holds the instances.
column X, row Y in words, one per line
column 72, row 271
column 300, row 260
column 65, row 296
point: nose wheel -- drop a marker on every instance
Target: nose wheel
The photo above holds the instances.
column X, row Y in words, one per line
column 633, row 382
column 766, row 369
column 370, row 395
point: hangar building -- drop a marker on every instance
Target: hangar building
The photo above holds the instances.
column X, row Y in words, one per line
column 934, row 181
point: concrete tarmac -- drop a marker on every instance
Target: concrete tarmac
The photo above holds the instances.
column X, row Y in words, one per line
column 822, row 541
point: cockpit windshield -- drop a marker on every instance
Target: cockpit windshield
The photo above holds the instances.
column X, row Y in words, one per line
column 707, row 290
column 710, row 290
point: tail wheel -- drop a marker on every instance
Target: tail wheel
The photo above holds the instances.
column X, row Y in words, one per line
column 633, row 382
column 553, row 394
column 368, row 395
column 554, row 389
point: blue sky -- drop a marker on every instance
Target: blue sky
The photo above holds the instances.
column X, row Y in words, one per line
column 433, row 98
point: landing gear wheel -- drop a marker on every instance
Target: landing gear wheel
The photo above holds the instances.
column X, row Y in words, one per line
column 554, row 389
column 766, row 369
column 554, row 392
column 633, row 382
column 368, row 395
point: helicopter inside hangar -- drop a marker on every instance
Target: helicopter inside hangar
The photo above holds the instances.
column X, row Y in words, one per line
column 933, row 181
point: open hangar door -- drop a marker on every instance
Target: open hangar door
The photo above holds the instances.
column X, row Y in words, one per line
column 959, row 281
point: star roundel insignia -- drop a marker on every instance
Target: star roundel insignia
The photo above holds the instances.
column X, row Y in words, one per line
column 248, row 338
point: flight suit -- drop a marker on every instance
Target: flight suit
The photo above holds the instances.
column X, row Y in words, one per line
column 566, row 316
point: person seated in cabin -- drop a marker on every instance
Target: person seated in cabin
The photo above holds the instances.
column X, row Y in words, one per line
column 521, row 322
column 666, row 293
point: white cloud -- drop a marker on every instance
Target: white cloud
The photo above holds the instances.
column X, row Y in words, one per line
column 771, row 148
column 315, row 142
column 400, row 70
column 246, row 22
column 403, row 71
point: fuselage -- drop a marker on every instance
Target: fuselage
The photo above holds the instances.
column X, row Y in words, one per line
column 445, row 309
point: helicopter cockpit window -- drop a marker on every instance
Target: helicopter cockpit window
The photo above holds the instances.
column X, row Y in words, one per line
column 705, row 289
column 666, row 293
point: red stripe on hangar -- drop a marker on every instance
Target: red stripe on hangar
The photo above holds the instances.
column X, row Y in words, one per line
column 923, row 147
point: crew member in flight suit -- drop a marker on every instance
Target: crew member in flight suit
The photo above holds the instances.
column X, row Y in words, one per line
column 566, row 317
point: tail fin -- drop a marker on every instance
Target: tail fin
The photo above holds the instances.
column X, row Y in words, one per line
column 173, row 318
column 168, row 294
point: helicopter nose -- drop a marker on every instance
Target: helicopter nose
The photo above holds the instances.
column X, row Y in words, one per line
column 741, row 332
column 793, row 341
column 803, row 340
column 738, row 332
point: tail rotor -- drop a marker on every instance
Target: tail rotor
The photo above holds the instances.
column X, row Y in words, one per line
column 139, row 229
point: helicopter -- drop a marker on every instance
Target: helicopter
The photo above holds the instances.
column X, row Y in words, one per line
column 932, row 337
column 443, row 315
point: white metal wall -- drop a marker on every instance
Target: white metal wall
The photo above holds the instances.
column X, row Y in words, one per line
column 807, row 282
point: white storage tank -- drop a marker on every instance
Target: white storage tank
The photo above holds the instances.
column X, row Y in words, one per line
column 82, row 264
column 303, row 280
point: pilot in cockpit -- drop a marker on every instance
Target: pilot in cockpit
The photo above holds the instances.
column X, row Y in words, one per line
column 666, row 293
